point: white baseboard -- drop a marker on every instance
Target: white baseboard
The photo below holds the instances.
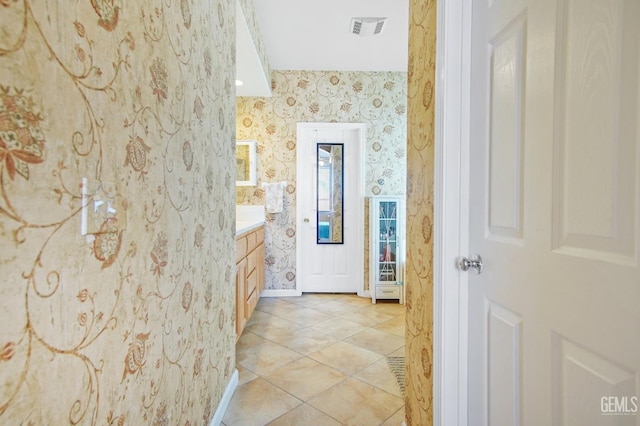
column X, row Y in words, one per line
column 281, row 293
column 226, row 398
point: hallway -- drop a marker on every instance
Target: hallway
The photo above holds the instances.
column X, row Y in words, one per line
column 319, row 359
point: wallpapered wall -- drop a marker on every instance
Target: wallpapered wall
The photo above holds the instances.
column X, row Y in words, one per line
column 420, row 167
column 249, row 12
column 132, row 325
column 378, row 99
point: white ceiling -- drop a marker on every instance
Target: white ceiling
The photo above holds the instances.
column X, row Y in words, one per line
column 314, row 35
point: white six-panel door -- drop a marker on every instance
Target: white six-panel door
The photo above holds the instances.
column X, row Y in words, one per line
column 333, row 268
column 554, row 318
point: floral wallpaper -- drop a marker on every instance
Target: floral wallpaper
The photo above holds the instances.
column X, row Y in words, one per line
column 378, row 99
column 420, row 168
column 117, row 119
column 249, row 12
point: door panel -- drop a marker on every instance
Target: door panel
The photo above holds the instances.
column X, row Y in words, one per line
column 595, row 159
column 580, row 377
column 554, row 196
column 507, row 60
column 505, row 359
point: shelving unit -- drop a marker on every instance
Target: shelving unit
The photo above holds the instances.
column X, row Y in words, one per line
column 386, row 248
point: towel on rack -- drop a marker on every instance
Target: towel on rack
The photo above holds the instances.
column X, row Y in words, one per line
column 274, row 196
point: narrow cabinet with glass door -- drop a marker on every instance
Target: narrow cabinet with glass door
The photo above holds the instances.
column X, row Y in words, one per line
column 386, row 248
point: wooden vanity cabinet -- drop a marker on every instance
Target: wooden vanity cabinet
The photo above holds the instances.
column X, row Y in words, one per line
column 250, row 266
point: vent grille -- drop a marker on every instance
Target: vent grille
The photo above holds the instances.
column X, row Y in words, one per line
column 367, row 26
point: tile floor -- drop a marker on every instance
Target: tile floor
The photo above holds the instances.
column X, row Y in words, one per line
column 319, row 359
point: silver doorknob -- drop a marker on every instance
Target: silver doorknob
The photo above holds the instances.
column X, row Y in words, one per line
column 476, row 263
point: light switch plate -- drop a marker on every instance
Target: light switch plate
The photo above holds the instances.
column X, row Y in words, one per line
column 102, row 207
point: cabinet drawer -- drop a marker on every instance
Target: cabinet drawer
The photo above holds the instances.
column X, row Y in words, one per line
column 252, row 261
column 388, row 292
column 241, row 248
column 252, row 281
column 251, row 241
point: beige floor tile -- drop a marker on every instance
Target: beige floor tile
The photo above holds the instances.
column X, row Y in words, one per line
column 269, row 300
column 277, row 334
column 395, row 326
column 333, row 307
column 400, row 352
column 329, row 296
column 346, row 357
column 262, row 356
column 305, row 300
column 356, row 300
column 304, row 415
column 379, row 375
column 257, row 403
column 320, row 297
column 354, row 402
column 305, row 378
column 258, row 315
column 245, row 375
column 305, row 316
column 248, row 341
column 279, row 308
column 377, row 341
column 390, row 307
column 307, row 340
column 366, row 317
column 261, row 323
column 339, row 327
column 402, row 319
column 396, row 420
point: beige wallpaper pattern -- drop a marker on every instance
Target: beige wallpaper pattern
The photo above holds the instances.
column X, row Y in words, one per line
column 420, row 168
column 250, row 16
column 132, row 324
column 376, row 98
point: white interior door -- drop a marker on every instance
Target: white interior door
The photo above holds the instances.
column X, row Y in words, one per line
column 330, row 268
column 554, row 317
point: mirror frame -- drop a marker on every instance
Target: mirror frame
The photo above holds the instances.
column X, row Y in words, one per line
column 318, row 239
column 253, row 175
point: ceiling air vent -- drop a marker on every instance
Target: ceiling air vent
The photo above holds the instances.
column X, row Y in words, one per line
column 367, row 26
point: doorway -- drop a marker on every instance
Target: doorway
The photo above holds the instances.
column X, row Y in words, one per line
column 336, row 264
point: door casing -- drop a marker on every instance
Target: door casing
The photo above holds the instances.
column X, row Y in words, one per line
column 451, row 212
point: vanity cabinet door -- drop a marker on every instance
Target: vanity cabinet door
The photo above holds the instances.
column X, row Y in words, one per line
column 260, row 267
column 241, row 296
column 250, row 266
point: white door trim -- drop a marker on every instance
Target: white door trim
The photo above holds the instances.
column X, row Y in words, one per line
column 451, row 215
column 362, row 129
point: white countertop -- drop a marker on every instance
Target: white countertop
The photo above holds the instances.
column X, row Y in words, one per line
column 248, row 218
column 246, row 226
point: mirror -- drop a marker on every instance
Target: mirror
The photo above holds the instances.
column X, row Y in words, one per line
column 330, row 200
column 246, row 163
